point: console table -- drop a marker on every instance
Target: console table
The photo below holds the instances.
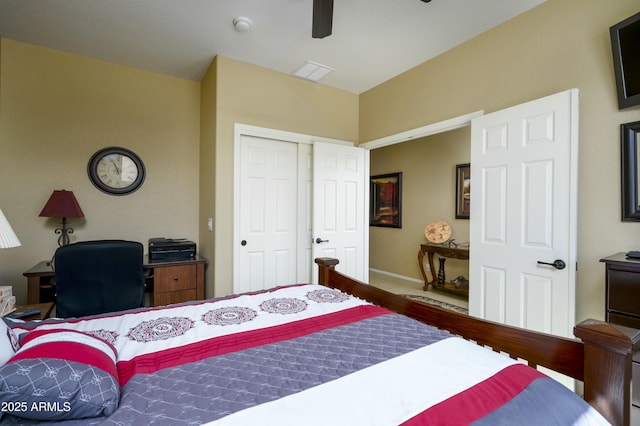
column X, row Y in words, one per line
column 168, row 281
column 443, row 251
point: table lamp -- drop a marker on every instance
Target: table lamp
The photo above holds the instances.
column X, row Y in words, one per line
column 8, row 238
column 62, row 204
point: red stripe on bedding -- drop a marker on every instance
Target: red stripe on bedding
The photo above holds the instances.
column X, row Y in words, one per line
column 156, row 361
column 480, row 399
column 70, row 351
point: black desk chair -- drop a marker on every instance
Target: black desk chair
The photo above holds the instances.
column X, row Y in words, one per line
column 95, row 277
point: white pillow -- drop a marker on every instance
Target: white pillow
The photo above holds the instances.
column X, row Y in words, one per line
column 6, row 343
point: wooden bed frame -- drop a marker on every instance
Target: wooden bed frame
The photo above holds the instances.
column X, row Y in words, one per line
column 601, row 359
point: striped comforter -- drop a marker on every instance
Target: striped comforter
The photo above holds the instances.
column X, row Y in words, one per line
column 307, row 355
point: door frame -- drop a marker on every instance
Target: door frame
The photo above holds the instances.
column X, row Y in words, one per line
column 421, row 132
column 241, row 130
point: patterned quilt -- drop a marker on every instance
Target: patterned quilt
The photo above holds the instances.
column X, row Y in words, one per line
column 296, row 355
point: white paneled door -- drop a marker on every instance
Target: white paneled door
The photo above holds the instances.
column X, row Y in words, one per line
column 523, row 218
column 297, row 201
column 268, row 213
column 340, row 207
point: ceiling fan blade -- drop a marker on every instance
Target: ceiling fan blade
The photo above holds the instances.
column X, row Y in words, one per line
column 322, row 18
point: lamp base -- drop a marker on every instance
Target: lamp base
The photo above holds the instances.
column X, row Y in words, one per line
column 64, row 232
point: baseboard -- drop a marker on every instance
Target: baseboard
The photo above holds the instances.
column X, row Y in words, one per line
column 391, row 274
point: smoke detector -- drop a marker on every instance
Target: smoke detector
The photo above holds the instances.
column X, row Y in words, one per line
column 242, row 24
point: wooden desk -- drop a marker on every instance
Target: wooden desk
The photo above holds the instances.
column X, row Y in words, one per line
column 175, row 281
column 45, row 311
column 40, row 277
column 443, row 251
column 170, row 281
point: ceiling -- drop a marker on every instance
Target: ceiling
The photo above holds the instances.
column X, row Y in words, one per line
column 372, row 40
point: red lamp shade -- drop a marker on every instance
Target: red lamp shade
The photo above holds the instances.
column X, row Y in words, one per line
column 62, row 204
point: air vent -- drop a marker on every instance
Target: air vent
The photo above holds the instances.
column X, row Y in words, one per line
column 312, row 71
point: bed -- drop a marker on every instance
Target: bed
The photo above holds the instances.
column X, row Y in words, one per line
column 340, row 353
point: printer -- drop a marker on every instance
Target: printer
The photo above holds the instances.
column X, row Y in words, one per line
column 169, row 249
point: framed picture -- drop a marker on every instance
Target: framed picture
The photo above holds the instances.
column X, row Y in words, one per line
column 463, row 190
column 630, row 178
column 385, row 200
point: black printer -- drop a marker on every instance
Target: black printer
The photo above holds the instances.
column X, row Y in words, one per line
column 164, row 249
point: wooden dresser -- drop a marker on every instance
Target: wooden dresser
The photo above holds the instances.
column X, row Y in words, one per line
column 622, row 306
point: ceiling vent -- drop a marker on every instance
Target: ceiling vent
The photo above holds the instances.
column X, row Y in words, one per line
column 312, row 71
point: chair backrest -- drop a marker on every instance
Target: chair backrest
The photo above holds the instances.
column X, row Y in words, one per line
column 94, row 277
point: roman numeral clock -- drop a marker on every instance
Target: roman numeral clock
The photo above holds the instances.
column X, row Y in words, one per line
column 116, row 171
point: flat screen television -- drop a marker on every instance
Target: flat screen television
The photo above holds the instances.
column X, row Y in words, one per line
column 625, row 45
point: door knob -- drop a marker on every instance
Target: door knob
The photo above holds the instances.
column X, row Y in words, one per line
column 319, row 240
column 558, row 264
column 243, row 243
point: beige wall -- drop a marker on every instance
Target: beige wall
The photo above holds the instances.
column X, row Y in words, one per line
column 248, row 94
column 428, row 167
column 556, row 46
column 57, row 110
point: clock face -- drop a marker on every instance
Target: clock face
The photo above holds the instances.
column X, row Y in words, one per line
column 116, row 171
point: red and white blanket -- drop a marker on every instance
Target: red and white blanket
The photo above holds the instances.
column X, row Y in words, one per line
column 309, row 355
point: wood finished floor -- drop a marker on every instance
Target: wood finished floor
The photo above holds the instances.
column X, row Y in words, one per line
column 402, row 286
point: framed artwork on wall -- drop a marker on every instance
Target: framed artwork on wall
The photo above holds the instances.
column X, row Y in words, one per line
column 630, row 178
column 463, row 190
column 385, row 200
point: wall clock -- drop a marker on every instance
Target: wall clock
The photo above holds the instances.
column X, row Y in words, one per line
column 116, row 171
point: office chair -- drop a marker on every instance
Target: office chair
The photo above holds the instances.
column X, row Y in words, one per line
column 95, row 277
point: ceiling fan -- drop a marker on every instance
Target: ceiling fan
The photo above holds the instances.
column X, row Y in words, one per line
column 323, row 18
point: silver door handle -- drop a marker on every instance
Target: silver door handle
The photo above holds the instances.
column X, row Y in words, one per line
column 320, row 240
column 558, row 264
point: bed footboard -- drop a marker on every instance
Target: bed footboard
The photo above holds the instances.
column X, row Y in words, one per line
column 608, row 351
column 602, row 360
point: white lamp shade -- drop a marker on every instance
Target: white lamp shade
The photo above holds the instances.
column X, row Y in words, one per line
column 8, row 238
